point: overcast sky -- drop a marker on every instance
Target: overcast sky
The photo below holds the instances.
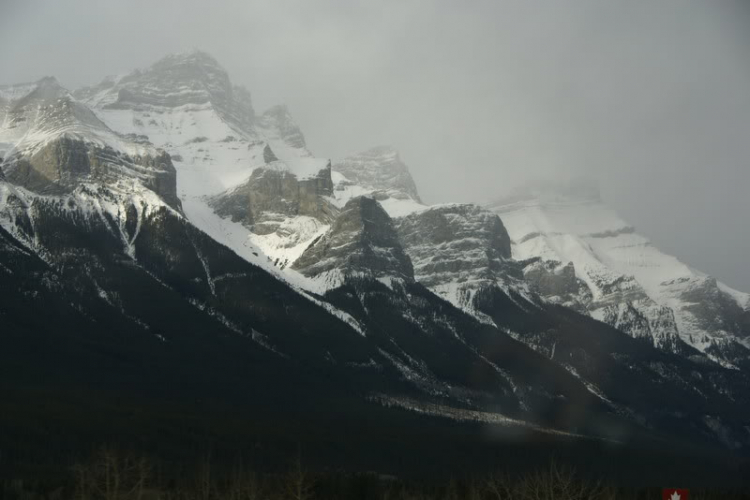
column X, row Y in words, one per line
column 652, row 98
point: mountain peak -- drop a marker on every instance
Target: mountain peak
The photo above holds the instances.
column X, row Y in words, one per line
column 361, row 241
column 175, row 80
column 189, row 68
column 53, row 143
column 279, row 120
column 48, row 89
column 42, row 110
column 48, row 81
column 378, row 168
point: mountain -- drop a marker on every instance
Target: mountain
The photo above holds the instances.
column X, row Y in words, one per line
column 154, row 229
column 377, row 169
column 221, row 148
column 577, row 252
column 53, row 144
column 362, row 241
column 459, row 251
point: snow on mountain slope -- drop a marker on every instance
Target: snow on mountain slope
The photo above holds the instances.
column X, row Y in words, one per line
column 13, row 125
column 283, row 212
column 120, row 205
column 288, row 144
column 251, row 169
column 186, row 104
column 237, row 237
column 256, row 171
column 62, row 158
column 626, row 281
column 181, row 104
column 42, row 113
column 38, row 113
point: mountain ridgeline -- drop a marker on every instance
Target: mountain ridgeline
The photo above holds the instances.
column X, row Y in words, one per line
column 161, row 241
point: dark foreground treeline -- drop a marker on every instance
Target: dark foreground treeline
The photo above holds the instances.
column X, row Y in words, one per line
column 110, row 474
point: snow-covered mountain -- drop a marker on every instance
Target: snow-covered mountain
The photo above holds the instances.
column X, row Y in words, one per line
column 53, row 144
column 187, row 105
column 160, row 205
column 251, row 182
column 577, row 252
column 378, row 169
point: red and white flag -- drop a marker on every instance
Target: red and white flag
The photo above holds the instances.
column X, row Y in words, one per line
column 675, row 494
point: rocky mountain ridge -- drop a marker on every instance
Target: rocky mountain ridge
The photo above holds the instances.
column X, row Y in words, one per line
column 337, row 267
column 253, row 169
column 361, row 242
column 55, row 143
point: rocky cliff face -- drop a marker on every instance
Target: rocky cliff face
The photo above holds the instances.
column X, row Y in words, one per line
column 622, row 303
column 187, row 104
column 557, row 282
column 458, row 251
column 377, row 169
column 188, row 79
column 62, row 164
column 272, row 195
column 455, row 243
column 362, row 241
column 57, row 143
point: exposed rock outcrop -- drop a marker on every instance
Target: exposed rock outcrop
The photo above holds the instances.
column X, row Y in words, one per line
column 458, row 251
column 60, row 165
column 378, row 169
column 557, row 282
column 455, row 244
column 362, row 241
column 57, row 143
column 272, row 194
column 192, row 78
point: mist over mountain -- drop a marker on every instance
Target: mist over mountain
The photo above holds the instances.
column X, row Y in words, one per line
column 188, row 267
column 649, row 99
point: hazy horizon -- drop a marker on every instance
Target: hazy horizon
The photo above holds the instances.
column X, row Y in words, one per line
column 649, row 99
